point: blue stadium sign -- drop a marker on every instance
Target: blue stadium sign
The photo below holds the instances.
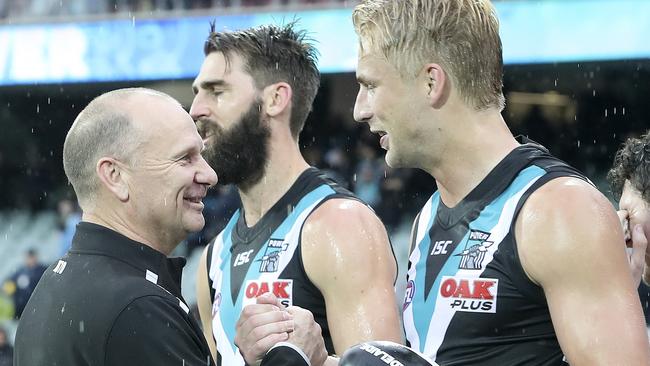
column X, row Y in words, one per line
column 150, row 49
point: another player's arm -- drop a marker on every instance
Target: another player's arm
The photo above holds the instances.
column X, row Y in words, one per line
column 565, row 233
column 204, row 302
column 347, row 255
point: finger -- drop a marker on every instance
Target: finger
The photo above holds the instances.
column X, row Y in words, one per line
column 246, row 340
column 262, row 320
column 255, row 309
column 270, row 299
column 301, row 315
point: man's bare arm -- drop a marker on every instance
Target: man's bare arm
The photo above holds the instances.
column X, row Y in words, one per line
column 347, row 255
column 564, row 238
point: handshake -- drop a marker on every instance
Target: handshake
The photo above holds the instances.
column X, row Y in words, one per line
column 269, row 334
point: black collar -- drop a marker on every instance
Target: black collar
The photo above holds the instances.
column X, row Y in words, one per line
column 155, row 266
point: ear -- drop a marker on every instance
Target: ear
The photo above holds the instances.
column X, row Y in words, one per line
column 277, row 98
column 437, row 85
column 112, row 176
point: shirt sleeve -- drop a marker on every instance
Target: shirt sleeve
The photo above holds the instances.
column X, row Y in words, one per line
column 285, row 354
column 153, row 330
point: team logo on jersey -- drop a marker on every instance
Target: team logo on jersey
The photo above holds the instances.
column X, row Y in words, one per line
column 474, row 253
column 440, row 247
column 282, row 289
column 408, row 296
column 271, row 257
column 476, row 295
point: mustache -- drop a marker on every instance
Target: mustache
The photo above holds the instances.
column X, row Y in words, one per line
column 207, row 127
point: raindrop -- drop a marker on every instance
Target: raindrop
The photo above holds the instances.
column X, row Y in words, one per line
column 48, row 100
column 605, row 112
column 354, row 177
column 63, row 308
column 32, row 129
column 277, row 67
column 555, row 82
column 38, row 108
column 623, row 110
column 614, row 110
column 594, row 93
column 578, row 143
column 81, row 327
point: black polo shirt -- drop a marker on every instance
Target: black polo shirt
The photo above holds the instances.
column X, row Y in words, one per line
column 110, row 301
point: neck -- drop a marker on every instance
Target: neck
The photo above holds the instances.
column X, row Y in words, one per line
column 120, row 224
column 284, row 166
column 479, row 142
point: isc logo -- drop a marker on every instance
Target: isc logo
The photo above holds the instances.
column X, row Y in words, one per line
column 242, row 258
column 440, row 247
column 469, row 294
column 282, row 289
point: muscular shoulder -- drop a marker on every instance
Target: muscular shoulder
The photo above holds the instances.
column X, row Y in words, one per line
column 565, row 219
column 341, row 235
column 345, row 221
column 340, row 210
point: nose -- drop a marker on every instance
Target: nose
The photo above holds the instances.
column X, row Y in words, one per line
column 205, row 174
column 362, row 112
column 198, row 109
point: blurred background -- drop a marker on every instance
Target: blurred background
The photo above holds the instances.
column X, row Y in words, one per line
column 577, row 80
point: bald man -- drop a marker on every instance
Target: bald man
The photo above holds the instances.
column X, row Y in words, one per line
column 134, row 159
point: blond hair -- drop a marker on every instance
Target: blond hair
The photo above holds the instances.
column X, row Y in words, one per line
column 460, row 35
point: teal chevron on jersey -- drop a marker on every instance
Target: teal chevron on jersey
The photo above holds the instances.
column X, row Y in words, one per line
column 469, row 301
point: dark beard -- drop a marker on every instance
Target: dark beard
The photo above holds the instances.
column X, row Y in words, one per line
column 239, row 154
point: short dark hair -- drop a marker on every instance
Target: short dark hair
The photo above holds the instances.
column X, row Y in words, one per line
column 632, row 162
column 273, row 54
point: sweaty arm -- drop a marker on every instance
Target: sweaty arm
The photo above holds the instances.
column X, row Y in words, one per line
column 204, row 302
column 347, row 255
column 153, row 330
column 565, row 234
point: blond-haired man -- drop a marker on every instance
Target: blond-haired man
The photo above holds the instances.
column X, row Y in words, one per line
column 512, row 259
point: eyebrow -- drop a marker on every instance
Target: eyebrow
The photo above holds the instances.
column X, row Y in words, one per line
column 209, row 84
column 362, row 80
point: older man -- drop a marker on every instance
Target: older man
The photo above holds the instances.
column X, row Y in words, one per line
column 134, row 159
